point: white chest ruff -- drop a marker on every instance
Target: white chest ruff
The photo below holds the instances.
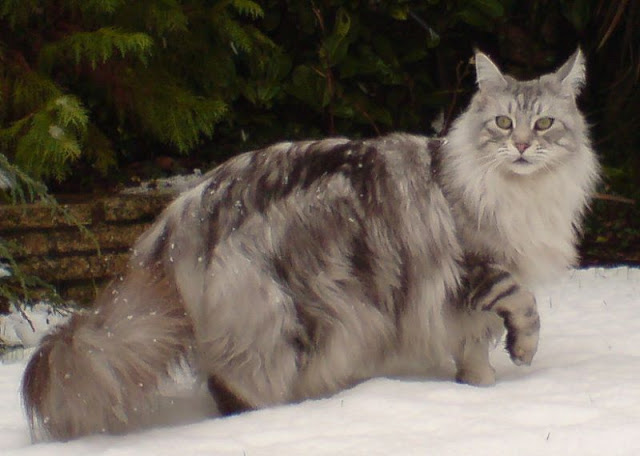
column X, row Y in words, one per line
column 527, row 225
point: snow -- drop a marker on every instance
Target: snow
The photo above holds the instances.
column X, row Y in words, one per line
column 4, row 270
column 25, row 327
column 173, row 185
column 581, row 396
column 6, row 181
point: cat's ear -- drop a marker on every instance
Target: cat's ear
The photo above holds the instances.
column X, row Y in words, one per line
column 487, row 73
column 572, row 75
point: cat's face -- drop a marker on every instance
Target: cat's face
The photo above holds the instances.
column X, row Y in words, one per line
column 524, row 127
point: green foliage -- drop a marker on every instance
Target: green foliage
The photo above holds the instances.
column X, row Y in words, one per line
column 95, row 85
column 248, row 8
column 352, row 67
column 180, row 76
column 16, row 186
column 47, row 139
column 95, row 47
column 79, row 80
column 173, row 114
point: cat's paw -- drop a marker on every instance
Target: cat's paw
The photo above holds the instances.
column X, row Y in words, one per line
column 523, row 329
column 477, row 377
column 522, row 346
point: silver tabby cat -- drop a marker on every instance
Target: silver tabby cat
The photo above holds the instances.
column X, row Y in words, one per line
column 303, row 268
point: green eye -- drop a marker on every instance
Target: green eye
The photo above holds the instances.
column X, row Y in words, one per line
column 503, row 122
column 543, row 123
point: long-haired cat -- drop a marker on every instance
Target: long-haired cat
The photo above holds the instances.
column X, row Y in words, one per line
column 297, row 270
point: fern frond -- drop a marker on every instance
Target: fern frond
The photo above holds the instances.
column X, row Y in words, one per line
column 19, row 185
column 96, row 47
column 17, row 12
column 102, row 6
column 166, row 16
column 25, row 189
column 260, row 38
column 248, row 8
column 175, row 115
column 185, row 122
column 233, row 32
column 48, row 140
column 30, row 90
column 70, row 113
column 9, row 135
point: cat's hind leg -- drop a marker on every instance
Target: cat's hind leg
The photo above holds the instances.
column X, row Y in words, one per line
column 247, row 335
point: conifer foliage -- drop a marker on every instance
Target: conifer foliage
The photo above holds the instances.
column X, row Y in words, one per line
column 104, row 80
column 77, row 76
column 80, row 78
column 100, row 83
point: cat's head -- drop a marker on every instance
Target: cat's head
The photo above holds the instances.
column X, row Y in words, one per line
column 523, row 127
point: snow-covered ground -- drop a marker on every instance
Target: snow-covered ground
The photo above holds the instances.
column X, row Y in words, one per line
column 581, row 397
column 173, row 185
column 25, row 327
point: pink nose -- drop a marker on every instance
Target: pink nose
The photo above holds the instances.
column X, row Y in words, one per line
column 522, row 147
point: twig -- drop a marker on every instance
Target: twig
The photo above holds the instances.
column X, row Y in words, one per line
column 26, row 317
column 460, row 74
column 615, row 21
column 328, row 74
column 368, row 117
column 617, row 199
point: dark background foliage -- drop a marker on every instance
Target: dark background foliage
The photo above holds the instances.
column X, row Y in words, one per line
column 96, row 93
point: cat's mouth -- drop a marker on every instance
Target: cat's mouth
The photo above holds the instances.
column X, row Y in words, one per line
column 523, row 166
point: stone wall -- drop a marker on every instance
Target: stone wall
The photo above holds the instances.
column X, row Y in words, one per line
column 54, row 249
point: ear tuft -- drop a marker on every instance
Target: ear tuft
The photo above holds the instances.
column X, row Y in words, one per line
column 487, row 73
column 572, row 75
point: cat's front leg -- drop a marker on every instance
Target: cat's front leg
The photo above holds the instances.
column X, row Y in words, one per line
column 522, row 321
column 497, row 291
column 472, row 362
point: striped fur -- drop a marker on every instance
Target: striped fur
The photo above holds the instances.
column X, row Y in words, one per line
column 300, row 269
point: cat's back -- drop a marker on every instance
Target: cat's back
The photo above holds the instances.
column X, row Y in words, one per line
column 374, row 174
column 335, row 207
column 288, row 170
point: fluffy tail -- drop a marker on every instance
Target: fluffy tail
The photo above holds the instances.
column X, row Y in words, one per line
column 101, row 371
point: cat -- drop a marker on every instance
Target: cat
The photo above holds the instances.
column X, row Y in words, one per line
column 300, row 269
